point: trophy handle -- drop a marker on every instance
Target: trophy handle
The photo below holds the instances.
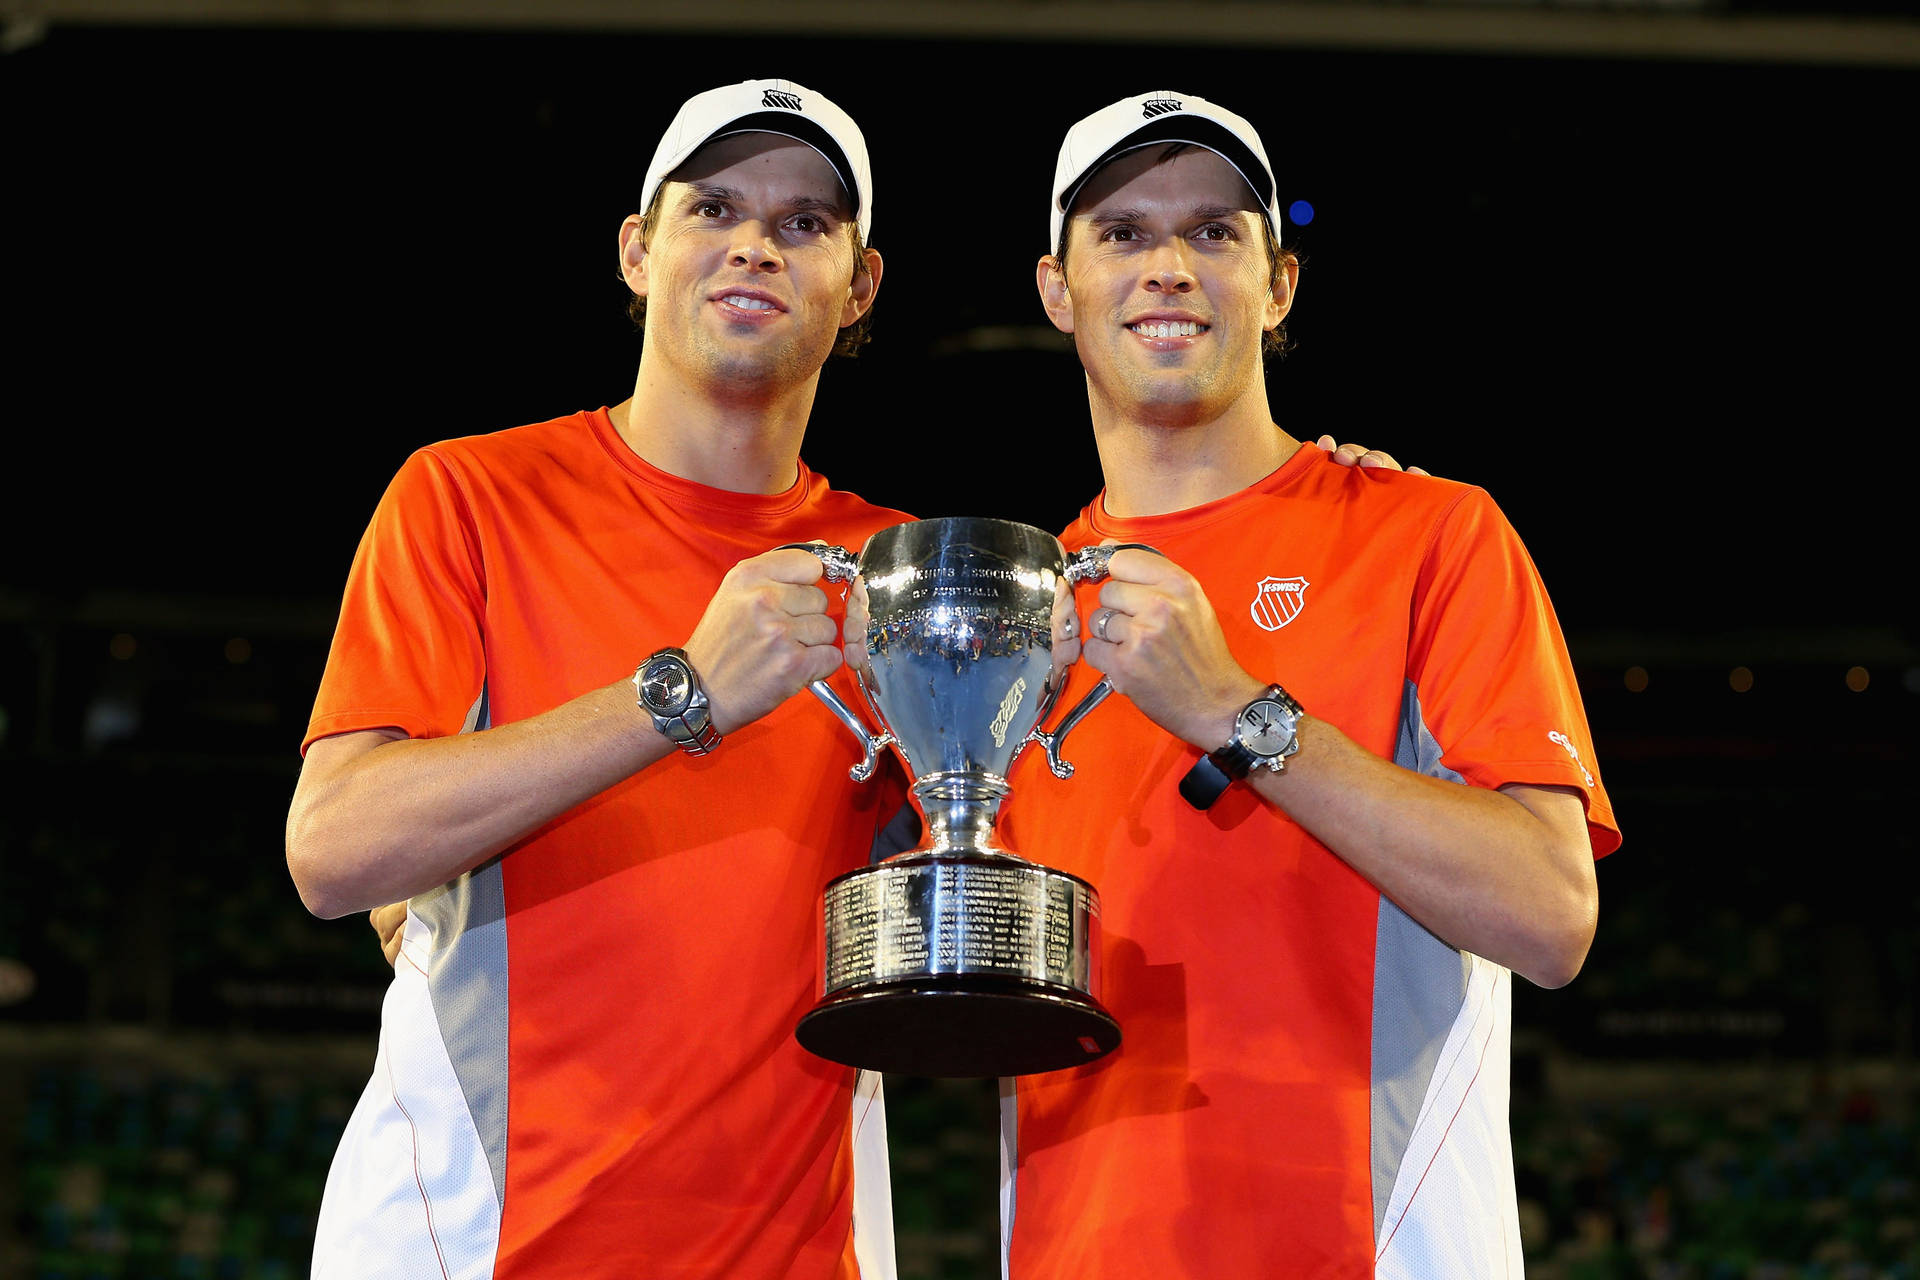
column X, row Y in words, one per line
column 870, row 742
column 1088, row 564
column 1050, row 742
column 840, row 566
column 838, row 562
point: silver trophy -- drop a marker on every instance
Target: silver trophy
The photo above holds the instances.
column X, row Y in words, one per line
column 959, row 957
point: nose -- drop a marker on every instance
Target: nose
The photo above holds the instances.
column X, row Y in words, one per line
column 753, row 247
column 1167, row 269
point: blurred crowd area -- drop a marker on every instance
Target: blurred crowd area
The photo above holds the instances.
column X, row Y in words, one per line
column 1725, row 1093
column 210, row 1167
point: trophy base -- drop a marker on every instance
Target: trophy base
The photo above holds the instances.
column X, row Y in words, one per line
column 959, row 1025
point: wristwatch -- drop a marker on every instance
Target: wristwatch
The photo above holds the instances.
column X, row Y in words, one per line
column 1265, row 733
column 669, row 690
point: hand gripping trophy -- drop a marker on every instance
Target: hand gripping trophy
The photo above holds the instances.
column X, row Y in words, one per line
column 959, row 957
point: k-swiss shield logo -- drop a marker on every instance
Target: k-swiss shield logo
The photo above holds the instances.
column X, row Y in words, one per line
column 1278, row 601
column 780, row 98
column 1159, row 106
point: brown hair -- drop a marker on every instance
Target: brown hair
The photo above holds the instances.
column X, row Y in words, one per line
column 851, row 339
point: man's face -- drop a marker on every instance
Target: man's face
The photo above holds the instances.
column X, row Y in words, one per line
column 748, row 271
column 1169, row 289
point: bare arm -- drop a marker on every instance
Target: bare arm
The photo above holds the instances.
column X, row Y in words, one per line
column 1505, row 874
column 378, row 817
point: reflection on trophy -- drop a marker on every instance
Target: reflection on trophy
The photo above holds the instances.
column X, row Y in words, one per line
column 959, row 957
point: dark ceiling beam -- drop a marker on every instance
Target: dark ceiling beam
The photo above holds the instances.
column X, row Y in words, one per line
column 1655, row 29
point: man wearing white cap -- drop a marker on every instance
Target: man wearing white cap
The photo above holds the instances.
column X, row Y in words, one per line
column 1350, row 792
column 564, row 660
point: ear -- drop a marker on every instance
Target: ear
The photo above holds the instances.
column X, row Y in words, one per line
column 1280, row 297
column 861, row 293
column 633, row 255
column 1051, row 279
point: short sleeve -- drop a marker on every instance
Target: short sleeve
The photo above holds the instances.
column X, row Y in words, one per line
column 1490, row 678
column 408, row 652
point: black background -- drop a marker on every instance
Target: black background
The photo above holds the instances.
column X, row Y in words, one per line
column 1662, row 310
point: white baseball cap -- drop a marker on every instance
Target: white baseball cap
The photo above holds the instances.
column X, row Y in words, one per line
column 1164, row 115
column 768, row 106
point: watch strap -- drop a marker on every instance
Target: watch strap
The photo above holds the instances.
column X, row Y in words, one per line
column 1204, row 783
column 1214, row 772
column 693, row 732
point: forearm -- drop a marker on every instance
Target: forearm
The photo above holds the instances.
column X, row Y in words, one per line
column 376, row 821
column 1505, row 875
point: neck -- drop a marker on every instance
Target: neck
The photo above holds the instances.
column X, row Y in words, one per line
column 744, row 439
column 1160, row 459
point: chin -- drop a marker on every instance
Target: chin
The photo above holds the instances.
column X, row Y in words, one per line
column 1172, row 398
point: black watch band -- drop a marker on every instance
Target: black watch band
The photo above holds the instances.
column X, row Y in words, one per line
column 1214, row 772
column 1204, row 783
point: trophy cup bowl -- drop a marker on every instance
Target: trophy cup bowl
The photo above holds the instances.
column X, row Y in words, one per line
column 959, row 957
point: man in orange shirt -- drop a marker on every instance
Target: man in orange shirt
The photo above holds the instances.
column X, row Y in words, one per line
column 586, row 1063
column 1350, row 792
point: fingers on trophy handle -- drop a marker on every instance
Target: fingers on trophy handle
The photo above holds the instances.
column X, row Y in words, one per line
column 870, row 742
column 838, row 562
column 1089, row 564
column 839, row 565
column 1051, row 742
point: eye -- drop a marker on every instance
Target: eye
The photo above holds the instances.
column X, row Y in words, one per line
column 1214, row 231
column 809, row 223
column 1120, row 232
column 709, row 209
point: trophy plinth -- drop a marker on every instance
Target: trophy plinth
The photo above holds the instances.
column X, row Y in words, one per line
column 959, row 958
column 960, row 964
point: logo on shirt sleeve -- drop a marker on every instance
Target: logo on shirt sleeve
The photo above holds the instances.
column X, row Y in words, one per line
column 1278, row 601
column 1573, row 751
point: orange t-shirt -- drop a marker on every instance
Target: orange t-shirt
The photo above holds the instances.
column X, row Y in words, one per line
column 1292, row 1095
column 587, row 1061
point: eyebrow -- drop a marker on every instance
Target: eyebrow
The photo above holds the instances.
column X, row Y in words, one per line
column 1109, row 217
column 799, row 204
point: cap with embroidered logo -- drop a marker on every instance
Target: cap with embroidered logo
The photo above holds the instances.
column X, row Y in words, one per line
column 1161, row 116
column 769, row 106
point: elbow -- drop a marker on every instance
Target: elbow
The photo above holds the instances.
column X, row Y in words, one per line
column 317, row 896
column 1554, row 971
column 1560, row 948
column 315, row 872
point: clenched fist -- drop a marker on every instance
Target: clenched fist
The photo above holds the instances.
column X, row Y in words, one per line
column 764, row 637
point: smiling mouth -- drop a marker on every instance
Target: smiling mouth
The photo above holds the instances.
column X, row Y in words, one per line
column 1168, row 328
column 747, row 304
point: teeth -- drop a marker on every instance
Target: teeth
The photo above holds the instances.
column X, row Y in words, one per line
column 1167, row 328
column 749, row 304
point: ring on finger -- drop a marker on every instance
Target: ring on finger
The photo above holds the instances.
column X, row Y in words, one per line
column 1100, row 621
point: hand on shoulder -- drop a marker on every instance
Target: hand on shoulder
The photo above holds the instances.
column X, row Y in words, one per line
column 1351, row 455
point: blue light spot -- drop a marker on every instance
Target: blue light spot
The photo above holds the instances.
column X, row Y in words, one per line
column 1299, row 213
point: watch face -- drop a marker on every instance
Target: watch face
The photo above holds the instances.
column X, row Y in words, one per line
column 666, row 688
column 1266, row 728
